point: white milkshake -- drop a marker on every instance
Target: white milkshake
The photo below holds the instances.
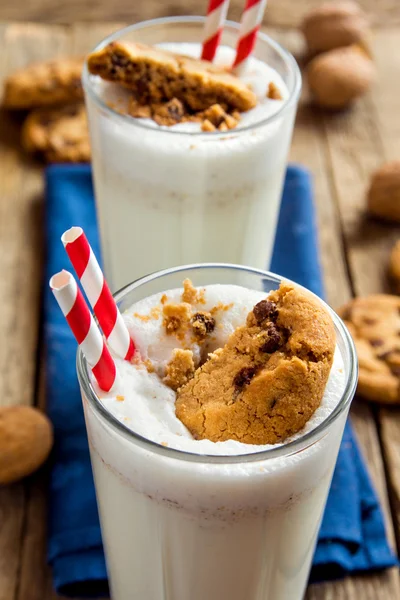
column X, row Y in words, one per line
column 178, row 191
column 185, row 518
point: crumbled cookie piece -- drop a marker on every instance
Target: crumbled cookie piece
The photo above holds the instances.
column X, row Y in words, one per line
column 47, row 83
column 273, row 92
column 202, row 324
column 207, row 126
column 169, row 113
column 374, row 324
column 180, row 369
column 177, row 318
column 215, row 114
column 269, row 378
column 139, row 111
column 58, row 134
column 164, row 113
column 219, row 118
column 189, row 293
column 156, row 75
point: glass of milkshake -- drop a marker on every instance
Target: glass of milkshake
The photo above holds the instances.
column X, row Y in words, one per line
column 184, row 516
column 167, row 195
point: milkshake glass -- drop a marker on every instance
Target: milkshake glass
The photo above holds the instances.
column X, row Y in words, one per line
column 169, row 196
column 181, row 525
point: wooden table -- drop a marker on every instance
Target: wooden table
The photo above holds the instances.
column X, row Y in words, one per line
column 340, row 150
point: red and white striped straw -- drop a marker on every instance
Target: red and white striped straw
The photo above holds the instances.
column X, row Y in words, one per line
column 84, row 328
column 216, row 15
column 249, row 26
column 97, row 291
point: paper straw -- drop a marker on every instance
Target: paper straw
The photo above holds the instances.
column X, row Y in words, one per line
column 98, row 293
column 84, row 328
column 216, row 15
column 249, row 27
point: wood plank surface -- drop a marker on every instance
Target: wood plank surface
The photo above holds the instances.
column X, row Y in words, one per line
column 340, row 152
column 279, row 13
column 337, row 198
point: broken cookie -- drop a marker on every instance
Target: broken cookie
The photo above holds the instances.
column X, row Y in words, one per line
column 269, row 378
column 156, row 76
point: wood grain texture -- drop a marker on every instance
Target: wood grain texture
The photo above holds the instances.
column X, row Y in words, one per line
column 279, row 13
column 320, row 143
column 340, row 152
column 383, row 99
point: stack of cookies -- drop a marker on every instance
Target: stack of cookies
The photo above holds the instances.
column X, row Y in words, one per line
column 55, row 128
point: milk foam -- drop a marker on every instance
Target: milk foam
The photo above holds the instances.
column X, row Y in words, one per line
column 148, row 406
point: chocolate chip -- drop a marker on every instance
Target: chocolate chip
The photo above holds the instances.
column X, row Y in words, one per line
column 243, row 377
column 70, row 111
column 369, row 321
column 395, row 370
column 119, row 60
column 45, row 120
column 75, row 84
column 265, row 310
column 273, row 342
column 202, row 323
column 385, row 355
column 376, row 342
column 175, row 109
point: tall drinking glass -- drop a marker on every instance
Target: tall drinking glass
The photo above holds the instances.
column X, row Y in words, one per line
column 186, row 526
column 166, row 196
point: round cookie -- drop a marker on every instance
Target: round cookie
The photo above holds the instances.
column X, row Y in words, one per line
column 58, row 134
column 47, row 83
column 374, row 323
column 394, row 266
column 269, row 378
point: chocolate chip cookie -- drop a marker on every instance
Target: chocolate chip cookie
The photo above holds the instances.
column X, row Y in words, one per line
column 156, row 75
column 269, row 378
column 58, row 134
column 47, row 83
column 374, row 323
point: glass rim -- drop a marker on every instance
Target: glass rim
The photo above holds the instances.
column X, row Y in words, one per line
column 127, row 119
column 285, row 449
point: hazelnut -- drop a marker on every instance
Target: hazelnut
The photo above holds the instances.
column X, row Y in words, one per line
column 336, row 78
column 26, row 439
column 334, row 25
column 383, row 198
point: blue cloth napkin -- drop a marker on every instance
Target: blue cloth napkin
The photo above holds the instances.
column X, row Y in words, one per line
column 352, row 536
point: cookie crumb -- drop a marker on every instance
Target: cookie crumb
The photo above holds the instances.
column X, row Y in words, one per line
column 154, row 314
column 177, row 318
column 180, row 369
column 202, row 324
column 120, row 398
column 216, row 117
column 168, row 113
column 164, row 299
column 207, row 126
column 189, row 293
column 139, row 111
column 149, row 365
column 273, row 91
